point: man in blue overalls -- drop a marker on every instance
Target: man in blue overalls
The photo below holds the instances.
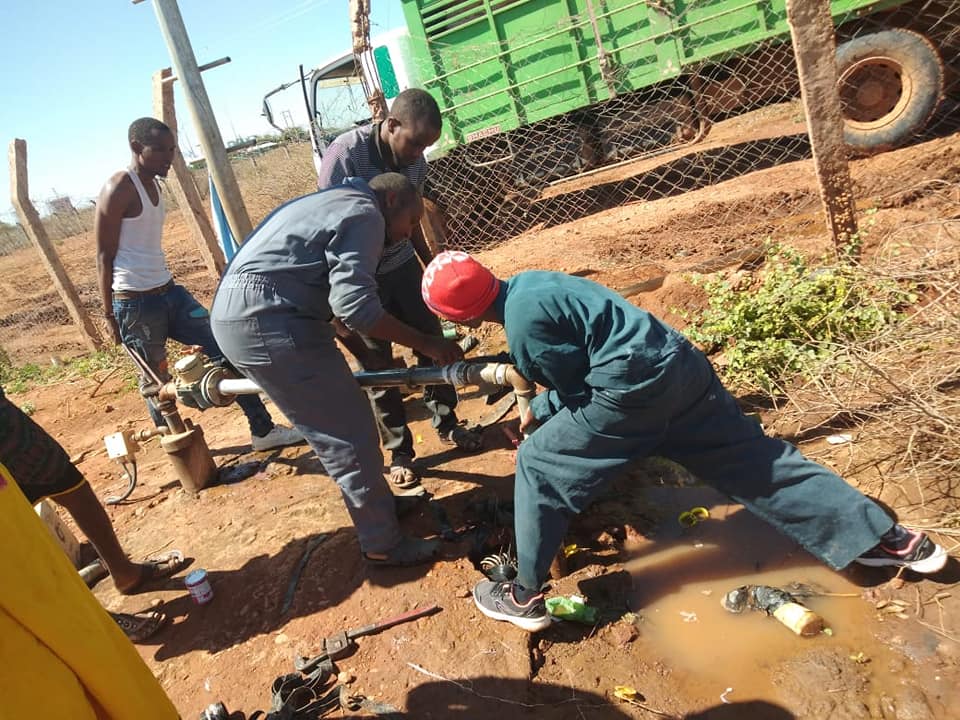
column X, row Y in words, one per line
column 623, row 385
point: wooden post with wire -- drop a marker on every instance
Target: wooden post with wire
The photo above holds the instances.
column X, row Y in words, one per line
column 432, row 223
column 360, row 31
column 811, row 27
column 188, row 73
column 188, row 199
column 30, row 220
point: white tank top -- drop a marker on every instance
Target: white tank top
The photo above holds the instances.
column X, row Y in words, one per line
column 139, row 263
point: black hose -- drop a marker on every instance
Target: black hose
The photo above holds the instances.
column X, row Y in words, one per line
column 131, row 484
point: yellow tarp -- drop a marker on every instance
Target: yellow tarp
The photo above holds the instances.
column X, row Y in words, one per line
column 61, row 655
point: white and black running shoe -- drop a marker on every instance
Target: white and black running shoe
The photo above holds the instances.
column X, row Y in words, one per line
column 496, row 600
column 900, row 547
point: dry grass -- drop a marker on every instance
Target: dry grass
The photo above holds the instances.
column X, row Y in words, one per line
column 899, row 392
column 271, row 179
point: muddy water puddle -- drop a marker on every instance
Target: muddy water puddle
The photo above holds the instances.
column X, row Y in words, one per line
column 680, row 578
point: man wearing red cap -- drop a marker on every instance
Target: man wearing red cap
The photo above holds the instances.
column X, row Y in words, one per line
column 622, row 385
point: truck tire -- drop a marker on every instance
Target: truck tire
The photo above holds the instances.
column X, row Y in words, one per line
column 890, row 83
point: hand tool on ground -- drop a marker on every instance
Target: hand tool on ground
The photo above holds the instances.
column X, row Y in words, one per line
column 339, row 645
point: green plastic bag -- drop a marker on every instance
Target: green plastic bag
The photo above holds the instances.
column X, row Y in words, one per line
column 571, row 608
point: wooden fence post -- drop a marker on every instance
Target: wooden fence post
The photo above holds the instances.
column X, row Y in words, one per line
column 30, row 220
column 814, row 46
column 184, row 189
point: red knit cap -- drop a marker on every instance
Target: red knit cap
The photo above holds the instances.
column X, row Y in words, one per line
column 457, row 287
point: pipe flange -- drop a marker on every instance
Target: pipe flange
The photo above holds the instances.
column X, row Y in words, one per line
column 457, row 374
column 210, row 391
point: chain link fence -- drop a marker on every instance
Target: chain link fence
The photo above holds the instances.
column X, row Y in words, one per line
column 35, row 325
column 733, row 111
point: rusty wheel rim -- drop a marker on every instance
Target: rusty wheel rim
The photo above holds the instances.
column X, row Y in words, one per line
column 874, row 92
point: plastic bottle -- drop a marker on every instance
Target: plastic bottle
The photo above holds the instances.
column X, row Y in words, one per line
column 779, row 603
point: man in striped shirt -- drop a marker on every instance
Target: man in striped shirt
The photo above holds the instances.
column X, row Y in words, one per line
column 397, row 145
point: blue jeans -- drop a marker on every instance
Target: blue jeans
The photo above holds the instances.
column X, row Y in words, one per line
column 685, row 415
column 147, row 321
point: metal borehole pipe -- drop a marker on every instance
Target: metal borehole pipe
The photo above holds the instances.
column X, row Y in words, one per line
column 459, row 374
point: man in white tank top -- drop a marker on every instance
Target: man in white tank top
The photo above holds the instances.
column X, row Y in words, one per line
column 142, row 304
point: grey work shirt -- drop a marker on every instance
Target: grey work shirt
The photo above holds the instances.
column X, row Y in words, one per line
column 318, row 254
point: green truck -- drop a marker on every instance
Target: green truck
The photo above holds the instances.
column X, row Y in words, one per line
column 534, row 92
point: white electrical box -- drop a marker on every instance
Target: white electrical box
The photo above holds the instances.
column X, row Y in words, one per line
column 121, row 445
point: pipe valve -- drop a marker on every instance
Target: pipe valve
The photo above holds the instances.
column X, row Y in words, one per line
column 197, row 380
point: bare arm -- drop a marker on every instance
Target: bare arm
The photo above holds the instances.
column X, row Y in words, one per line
column 440, row 350
column 112, row 203
column 354, row 343
column 389, row 328
column 421, row 245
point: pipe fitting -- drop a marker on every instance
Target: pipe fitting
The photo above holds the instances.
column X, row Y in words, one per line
column 147, row 433
column 504, row 375
column 215, row 389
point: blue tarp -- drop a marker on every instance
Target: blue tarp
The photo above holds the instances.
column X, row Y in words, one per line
column 227, row 242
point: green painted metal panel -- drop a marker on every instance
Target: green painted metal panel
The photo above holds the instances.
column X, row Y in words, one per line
column 718, row 29
column 388, row 77
column 496, row 65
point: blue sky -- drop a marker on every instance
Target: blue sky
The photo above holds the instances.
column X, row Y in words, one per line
column 73, row 75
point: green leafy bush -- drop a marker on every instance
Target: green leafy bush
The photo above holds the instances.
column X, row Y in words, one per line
column 790, row 316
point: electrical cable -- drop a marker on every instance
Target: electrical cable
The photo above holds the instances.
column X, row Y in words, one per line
column 131, row 473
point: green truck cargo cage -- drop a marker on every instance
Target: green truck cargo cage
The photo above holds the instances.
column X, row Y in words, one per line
column 497, row 65
column 534, row 92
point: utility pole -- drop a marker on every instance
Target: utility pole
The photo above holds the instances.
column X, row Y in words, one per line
column 185, row 63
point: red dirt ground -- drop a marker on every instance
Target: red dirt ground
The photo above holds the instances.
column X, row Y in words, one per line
column 250, row 535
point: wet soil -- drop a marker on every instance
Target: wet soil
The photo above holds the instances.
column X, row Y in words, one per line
column 657, row 586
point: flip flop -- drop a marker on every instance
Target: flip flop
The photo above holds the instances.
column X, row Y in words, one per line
column 140, row 626
column 409, row 551
column 154, row 569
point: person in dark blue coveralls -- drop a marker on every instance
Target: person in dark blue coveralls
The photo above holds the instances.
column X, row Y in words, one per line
column 620, row 385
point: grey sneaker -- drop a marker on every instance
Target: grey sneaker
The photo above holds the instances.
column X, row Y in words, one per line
column 496, row 600
column 900, row 547
column 280, row 436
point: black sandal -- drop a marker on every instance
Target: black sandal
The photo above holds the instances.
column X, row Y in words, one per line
column 140, row 626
